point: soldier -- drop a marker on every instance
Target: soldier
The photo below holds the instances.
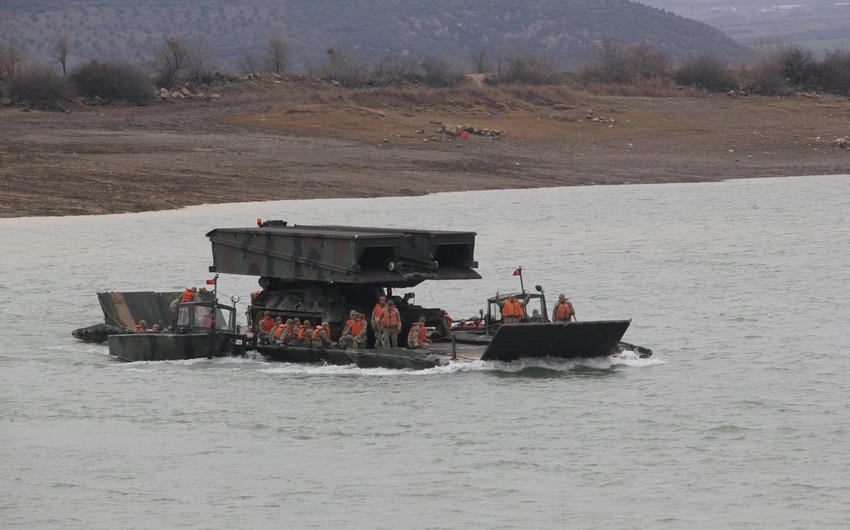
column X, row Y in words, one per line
column 362, row 337
column 322, row 336
column 142, row 326
column 188, row 294
column 390, row 321
column 417, row 337
column 564, row 310
column 264, row 328
column 376, row 320
column 287, row 334
column 512, row 309
column 156, row 328
column 346, row 339
column 305, row 335
column 278, row 331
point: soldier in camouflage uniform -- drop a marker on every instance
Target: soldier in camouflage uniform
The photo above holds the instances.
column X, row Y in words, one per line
column 361, row 339
column 322, row 337
column 346, row 340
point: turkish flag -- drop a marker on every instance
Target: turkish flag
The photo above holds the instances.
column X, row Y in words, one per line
column 211, row 282
column 518, row 272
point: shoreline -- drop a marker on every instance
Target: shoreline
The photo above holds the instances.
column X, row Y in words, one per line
column 125, row 160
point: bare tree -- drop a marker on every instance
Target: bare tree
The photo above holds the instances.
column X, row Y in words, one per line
column 249, row 63
column 12, row 52
column 707, row 72
column 200, row 62
column 170, row 62
column 60, row 51
column 392, row 69
column 523, row 67
column 346, row 67
column 277, row 54
column 609, row 64
column 440, row 73
column 480, row 60
column 648, row 62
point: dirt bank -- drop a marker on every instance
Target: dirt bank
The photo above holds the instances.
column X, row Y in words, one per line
column 285, row 145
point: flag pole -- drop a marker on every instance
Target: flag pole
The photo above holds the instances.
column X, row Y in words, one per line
column 521, row 285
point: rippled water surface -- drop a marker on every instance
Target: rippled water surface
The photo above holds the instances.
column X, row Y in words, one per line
column 740, row 419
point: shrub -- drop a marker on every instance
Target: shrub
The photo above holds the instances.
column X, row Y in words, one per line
column 113, row 82
column 523, row 67
column 40, row 86
column 707, row 72
column 835, row 72
column 439, row 73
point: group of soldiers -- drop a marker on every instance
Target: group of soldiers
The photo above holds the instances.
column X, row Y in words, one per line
column 293, row 332
column 385, row 321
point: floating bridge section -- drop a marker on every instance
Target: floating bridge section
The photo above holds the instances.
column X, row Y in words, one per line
column 343, row 254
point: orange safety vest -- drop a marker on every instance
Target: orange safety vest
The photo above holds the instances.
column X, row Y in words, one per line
column 512, row 309
column 423, row 332
column 316, row 331
column 376, row 312
column 279, row 331
column 563, row 312
column 357, row 327
column 389, row 318
column 303, row 332
column 267, row 324
column 187, row 296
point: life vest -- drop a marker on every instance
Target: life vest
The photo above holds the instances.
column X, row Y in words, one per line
column 423, row 333
column 512, row 309
column 316, row 331
column 389, row 318
column 376, row 312
column 412, row 332
column 187, row 296
column 357, row 327
column 267, row 324
column 563, row 312
column 137, row 328
column 303, row 332
column 349, row 326
column 278, row 332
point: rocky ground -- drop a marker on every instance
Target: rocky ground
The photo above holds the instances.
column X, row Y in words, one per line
column 299, row 143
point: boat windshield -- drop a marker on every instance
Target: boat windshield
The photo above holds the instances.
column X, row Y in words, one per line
column 198, row 316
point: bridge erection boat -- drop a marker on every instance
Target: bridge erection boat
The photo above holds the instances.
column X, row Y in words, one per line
column 318, row 276
column 322, row 273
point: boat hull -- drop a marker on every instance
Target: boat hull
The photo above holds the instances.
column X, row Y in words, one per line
column 570, row 340
column 133, row 347
column 394, row 358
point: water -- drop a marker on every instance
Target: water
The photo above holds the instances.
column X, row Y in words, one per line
column 739, row 419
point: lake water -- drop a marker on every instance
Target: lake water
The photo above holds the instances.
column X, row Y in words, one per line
column 739, row 420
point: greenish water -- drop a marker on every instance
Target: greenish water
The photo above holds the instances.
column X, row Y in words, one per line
column 739, row 420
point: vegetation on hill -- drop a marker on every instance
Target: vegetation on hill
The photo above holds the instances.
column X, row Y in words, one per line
column 566, row 30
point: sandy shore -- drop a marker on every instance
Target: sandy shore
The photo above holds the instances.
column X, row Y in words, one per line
column 110, row 160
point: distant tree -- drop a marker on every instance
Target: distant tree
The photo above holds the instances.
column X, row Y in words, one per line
column 523, row 67
column 798, row 64
column 393, row 69
column 707, row 72
column 647, row 61
column 59, row 51
column 200, row 63
column 609, row 63
column 278, row 54
column 39, row 86
column 12, row 52
column 835, row 72
column 347, row 67
column 439, row 72
column 248, row 63
column 480, row 60
column 118, row 81
column 170, row 62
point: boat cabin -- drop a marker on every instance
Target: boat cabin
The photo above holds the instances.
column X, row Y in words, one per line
column 204, row 316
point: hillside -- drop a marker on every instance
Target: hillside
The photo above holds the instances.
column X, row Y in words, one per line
column 816, row 24
column 567, row 30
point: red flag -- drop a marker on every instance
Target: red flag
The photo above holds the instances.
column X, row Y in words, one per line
column 518, row 271
column 211, row 282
